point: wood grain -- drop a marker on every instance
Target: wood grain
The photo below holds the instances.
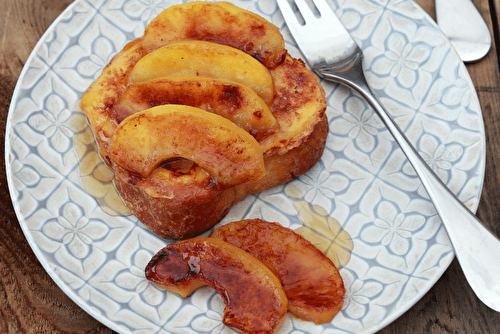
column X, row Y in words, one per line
column 32, row 303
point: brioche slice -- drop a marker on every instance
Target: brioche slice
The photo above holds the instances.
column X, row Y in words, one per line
column 253, row 296
column 312, row 283
column 179, row 195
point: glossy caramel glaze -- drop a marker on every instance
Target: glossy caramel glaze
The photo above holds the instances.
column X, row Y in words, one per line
column 312, row 283
column 253, row 296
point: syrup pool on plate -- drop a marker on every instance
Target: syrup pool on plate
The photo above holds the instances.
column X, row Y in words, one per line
column 322, row 230
column 95, row 174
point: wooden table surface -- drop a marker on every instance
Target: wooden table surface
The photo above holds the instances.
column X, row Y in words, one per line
column 32, row 303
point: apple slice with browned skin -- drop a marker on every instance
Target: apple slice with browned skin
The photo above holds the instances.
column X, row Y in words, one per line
column 312, row 283
column 145, row 140
column 253, row 296
column 205, row 59
column 218, row 22
column 236, row 102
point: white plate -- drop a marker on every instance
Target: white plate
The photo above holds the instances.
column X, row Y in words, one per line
column 363, row 180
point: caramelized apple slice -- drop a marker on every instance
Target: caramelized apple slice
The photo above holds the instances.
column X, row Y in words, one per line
column 236, row 102
column 222, row 23
column 312, row 283
column 145, row 140
column 205, row 59
column 254, row 298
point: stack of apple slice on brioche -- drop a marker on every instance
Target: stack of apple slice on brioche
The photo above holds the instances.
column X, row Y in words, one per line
column 202, row 110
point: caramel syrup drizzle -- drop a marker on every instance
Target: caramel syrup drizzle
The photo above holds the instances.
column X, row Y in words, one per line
column 322, row 230
column 95, row 174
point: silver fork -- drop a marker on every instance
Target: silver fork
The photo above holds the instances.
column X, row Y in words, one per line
column 334, row 55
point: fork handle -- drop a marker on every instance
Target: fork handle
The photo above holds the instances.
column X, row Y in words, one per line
column 476, row 248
